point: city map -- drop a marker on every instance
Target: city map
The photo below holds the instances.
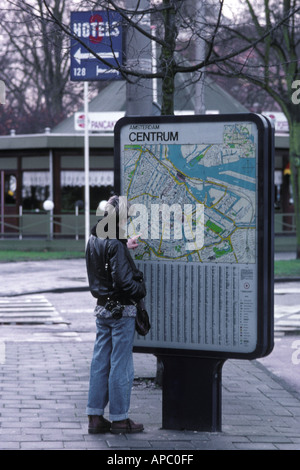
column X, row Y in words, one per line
column 209, row 186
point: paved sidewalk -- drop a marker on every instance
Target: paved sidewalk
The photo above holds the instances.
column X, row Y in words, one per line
column 42, row 276
column 44, row 391
column 44, row 384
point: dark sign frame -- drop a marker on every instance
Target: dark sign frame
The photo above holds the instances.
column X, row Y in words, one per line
column 265, row 244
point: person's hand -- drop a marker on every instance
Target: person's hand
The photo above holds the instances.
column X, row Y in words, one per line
column 132, row 242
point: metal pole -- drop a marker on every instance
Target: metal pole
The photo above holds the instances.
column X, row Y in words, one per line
column 2, row 202
column 138, row 57
column 154, row 65
column 51, row 192
column 20, row 222
column 76, row 222
column 86, row 165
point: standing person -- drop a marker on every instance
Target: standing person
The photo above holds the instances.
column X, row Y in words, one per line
column 114, row 280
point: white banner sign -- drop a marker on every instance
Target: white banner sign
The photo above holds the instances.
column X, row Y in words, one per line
column 98, row 122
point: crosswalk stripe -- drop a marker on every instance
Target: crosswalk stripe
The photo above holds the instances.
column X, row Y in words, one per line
column 35, row 312
column 2, row 352
column 286, row 319
column 28, row 310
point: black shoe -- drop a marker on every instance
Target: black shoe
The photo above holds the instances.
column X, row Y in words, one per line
column 126, row 426
column 98, row 425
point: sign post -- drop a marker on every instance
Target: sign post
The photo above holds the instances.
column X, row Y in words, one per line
column 200, row 190
column 86, row 164
column 96, row 54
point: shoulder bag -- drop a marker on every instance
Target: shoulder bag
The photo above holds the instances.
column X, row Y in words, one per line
column 142, row 322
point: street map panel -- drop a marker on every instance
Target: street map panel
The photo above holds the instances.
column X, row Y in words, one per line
column 219, row 176
column 192, row 194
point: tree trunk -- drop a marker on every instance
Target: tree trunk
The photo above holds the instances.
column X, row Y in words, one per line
column 295, row 173
column 167, row 60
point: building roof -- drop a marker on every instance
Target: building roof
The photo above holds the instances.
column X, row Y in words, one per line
column 53, row 141
column 113, row 98
column 216, row 99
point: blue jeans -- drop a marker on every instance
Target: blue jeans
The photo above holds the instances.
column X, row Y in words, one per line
column 112, row 372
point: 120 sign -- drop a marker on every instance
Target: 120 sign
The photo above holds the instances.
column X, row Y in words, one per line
column 79, row 71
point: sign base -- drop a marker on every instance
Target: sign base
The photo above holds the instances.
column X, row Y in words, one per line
column 192, row 393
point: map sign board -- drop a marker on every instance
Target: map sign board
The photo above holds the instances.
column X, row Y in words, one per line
column 199, row 190
column 96, row 34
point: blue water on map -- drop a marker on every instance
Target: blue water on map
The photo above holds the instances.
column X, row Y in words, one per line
column 243, row 166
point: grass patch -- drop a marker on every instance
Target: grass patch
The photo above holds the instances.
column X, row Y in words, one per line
column 287, row 268
column 15, row 255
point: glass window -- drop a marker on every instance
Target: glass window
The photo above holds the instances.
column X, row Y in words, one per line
column 35, row 189
column 70, row 195
column 10, row 189
column 72, row 188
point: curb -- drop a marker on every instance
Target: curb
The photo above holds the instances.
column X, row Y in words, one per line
column 61, row 290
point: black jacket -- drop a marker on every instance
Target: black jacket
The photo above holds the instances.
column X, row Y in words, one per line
column 121, row 280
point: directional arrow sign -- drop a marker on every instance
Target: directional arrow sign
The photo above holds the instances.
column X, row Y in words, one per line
column 101, row 32
column 80, row 55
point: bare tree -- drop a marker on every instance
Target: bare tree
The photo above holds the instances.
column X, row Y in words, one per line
column 263, row 49
column 272, row 65
column 35, row 64
column 177, row 33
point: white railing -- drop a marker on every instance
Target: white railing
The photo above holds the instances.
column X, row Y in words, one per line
column 43, row 224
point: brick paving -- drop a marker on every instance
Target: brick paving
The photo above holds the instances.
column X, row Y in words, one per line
column 44, row 385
